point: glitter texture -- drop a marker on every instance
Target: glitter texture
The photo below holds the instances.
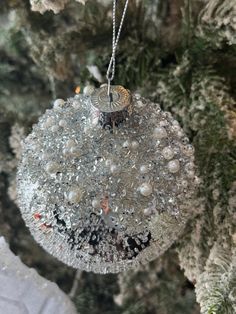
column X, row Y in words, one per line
column 105, row 200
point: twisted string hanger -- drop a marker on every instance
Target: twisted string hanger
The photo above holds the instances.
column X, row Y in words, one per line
column 115, row 39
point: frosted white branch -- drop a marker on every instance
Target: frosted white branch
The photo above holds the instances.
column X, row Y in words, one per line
column 23, row 291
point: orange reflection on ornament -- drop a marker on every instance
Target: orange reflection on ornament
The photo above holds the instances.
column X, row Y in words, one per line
column 77, row 89
column 45, row 226
column 105, row 205
column 37, row 216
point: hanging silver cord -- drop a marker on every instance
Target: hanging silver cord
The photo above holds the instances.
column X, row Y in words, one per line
column 115, row 39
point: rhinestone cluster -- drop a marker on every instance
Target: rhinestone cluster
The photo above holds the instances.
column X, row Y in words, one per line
column 103, row 200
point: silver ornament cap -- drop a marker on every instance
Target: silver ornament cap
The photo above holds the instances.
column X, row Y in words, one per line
column 118, row 99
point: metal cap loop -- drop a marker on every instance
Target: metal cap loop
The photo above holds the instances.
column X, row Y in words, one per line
column 115, row 39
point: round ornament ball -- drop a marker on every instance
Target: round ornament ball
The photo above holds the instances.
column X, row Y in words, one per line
column 105, row 181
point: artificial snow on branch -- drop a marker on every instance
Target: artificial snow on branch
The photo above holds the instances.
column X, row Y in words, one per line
column 218, row 22
column 22, row 290
column 53, row 5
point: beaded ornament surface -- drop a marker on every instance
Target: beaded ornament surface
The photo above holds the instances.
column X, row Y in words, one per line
column 102, row 199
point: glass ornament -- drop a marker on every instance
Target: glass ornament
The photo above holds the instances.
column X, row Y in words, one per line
column 104, row 182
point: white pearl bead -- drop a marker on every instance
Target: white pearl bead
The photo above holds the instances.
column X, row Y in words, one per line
column 88, row 90
column 35, row 147
column 189, row 166
column 76, row 104
column 176, row 128
column 197, row 180
column 173, row 166
column 54, row 128
column 95, row 121
column 70, row 143
column 96, row 203
column 147, row 211
column 137, row 96
column 108, row 162
column 145, row 189
column 62, row 123
column 139, row 104
column 184, row 183
column 160, row 133
column 58, row 103
column 188, row 150
column 86, row 129
column 144, row 169
column 65, row 152
column 74, row 195
column 167, row 153
column 52, row 167
column 191, row 174
column 45, row 156
column 74, row 150
column 114, row 168
column 163, row 123
column 48, row 122
column 180, row 133
column 126, row 144
column 134, row 144
column 175, row 123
